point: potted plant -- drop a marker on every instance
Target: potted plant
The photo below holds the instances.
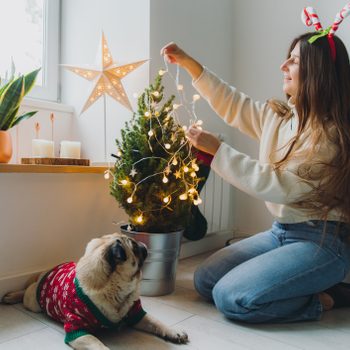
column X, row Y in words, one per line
column 155, row 181
column 11, row 95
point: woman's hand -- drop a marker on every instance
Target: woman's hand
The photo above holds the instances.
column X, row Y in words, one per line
column 174, row 54
column 203, row 140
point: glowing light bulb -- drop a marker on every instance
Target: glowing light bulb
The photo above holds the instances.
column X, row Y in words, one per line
column 193, row 174
column 119, row 153
column 147, row 114
column 180, row 87
column 166, row 199
column 199, row 122
column 161, row 72
column 196, row 97
column 124, row 182
column 186, row 169
column 106, row 175
column 167, row 146
column 195, row 167
column 155, row 93
column 192, row 190
column 150, row 133
column 175, row 161
column 183, row 196
column 165, row 179
column 139, row 219
column 129, row 200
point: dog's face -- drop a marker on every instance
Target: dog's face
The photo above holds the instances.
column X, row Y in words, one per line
column 113, row 256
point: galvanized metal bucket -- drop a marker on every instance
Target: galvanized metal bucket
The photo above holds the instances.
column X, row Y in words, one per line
column 159, row 269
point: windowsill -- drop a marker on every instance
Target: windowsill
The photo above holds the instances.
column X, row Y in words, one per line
column 49, row 105
column 21, row 168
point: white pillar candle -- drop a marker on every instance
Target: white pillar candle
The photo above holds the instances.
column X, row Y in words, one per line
column 43, row 148
column 70, row 149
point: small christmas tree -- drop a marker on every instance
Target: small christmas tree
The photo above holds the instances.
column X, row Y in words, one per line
column 155, row 176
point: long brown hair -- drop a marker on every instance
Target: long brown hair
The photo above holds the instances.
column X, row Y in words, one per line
column 323, row 107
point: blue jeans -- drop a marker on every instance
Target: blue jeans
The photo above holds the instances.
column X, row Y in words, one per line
column 275, row 276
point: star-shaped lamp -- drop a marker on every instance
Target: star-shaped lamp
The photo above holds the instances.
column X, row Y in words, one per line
column 108, row 77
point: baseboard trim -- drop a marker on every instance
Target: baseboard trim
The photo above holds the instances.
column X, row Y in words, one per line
column 212, row 241
column 16, row 282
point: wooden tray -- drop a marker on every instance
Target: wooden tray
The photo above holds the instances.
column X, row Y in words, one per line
column 56, row 161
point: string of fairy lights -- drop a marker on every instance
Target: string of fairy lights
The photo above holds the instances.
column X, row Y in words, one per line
column 185, row 169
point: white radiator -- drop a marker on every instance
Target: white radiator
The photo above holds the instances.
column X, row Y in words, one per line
column 216, row 205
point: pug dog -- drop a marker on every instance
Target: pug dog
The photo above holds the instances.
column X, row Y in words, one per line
column 100, row 291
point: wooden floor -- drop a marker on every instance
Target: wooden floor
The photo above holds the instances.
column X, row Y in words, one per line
column 184, row 309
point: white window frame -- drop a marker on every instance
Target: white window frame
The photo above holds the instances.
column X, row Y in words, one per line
column 51, row 53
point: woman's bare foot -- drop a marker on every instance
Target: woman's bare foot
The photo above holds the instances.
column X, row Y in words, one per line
column 326, row 300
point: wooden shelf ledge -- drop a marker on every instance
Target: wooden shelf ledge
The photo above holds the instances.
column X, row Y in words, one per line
column 24, row 168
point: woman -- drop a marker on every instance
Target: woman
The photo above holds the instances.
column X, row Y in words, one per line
column 303, row 172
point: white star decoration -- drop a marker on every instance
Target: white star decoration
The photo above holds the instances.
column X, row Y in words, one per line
column 107, row 76
column 133, row 172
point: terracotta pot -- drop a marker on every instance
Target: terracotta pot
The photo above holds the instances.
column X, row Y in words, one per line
column 5, row 146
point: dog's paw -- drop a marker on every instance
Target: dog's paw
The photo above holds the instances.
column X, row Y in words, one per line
column 87, row 342
column 177, row 337
column 13, row 297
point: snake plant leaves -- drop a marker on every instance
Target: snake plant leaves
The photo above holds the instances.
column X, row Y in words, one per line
column 11, row 96
column 22, row 117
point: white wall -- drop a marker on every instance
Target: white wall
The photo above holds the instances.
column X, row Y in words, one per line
column 202, row 28
column 244, row 42
column 263, row 31
column 49, row 218
column 126, row 27
column 23, row 133
column 260, row 41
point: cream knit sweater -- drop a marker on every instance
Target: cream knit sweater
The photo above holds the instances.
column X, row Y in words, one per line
column 257, row 177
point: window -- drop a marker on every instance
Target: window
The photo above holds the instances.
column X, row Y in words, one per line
column 30, row 39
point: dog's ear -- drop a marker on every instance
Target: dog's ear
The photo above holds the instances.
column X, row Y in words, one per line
column 116, row 254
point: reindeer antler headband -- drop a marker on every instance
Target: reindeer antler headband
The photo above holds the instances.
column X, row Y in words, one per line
column 309, row 17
